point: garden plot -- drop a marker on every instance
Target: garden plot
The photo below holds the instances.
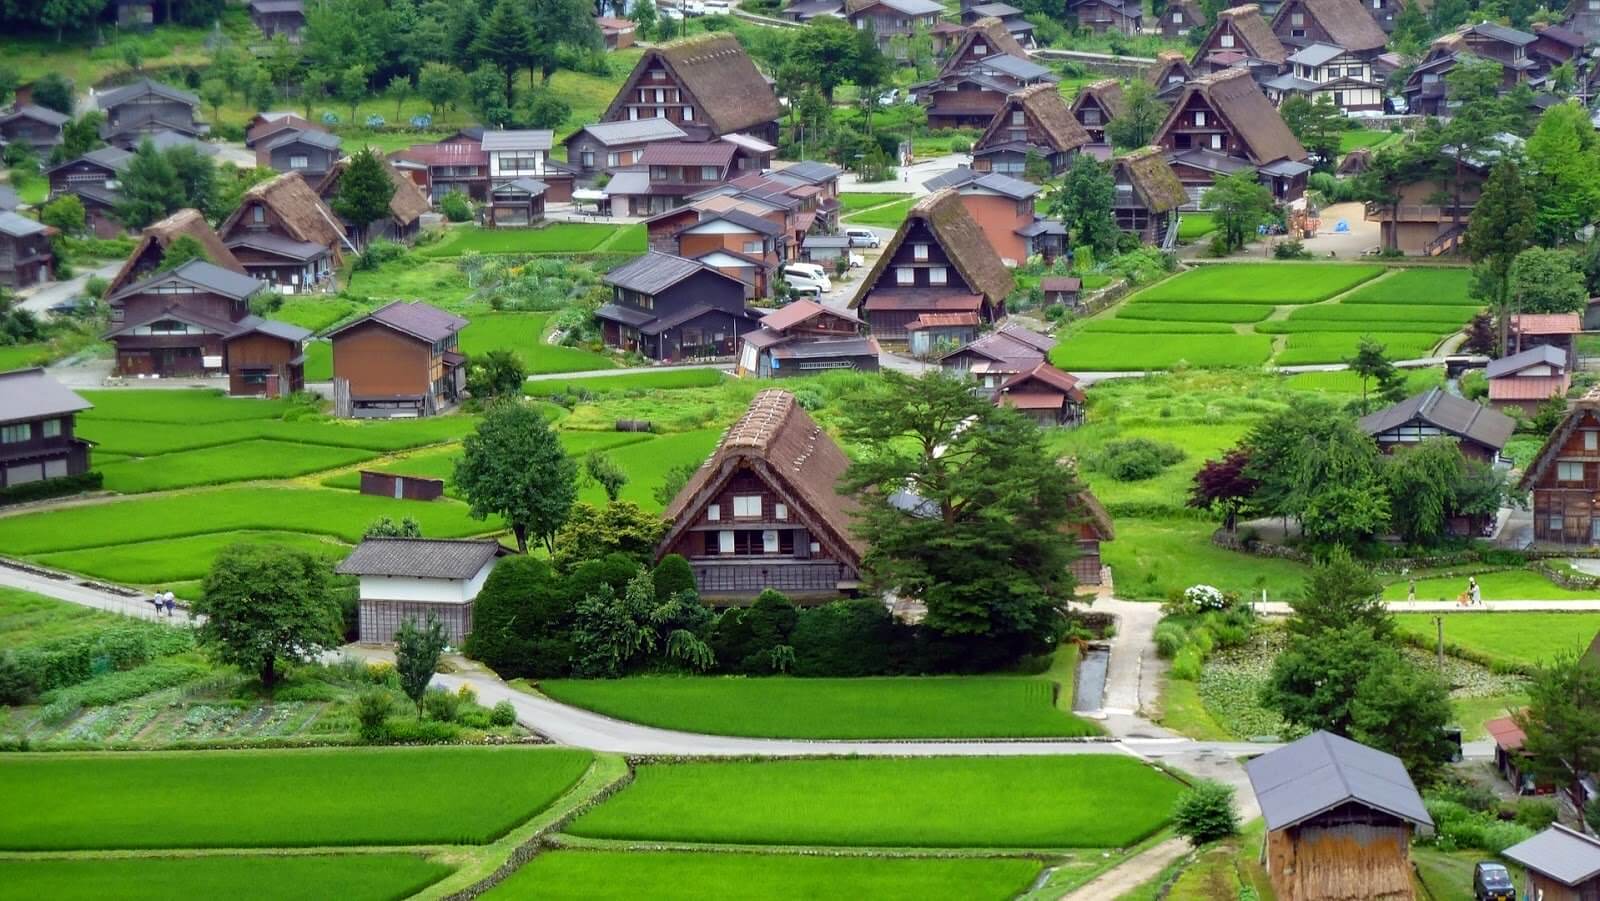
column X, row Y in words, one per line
column 557, row 238
column 355, row 877
column 996, row 802
column 690, row 876
column 344, row 796
column 523, row 333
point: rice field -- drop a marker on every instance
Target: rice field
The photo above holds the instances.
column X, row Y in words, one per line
column 1335, row 347
column 163, row 561
column 1111, row 351
column 308, row 877
column 1195, row 312
column 149, row 438
column 1270, row 283
column 1422, row 286
column 240, row 461
column 653, row 379
column 306, row 798
column 1126, row 325
column 928, row 802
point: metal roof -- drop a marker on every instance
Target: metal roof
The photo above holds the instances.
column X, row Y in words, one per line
column 302, row 136
column 633, row 132
column 273, row 327
column 530, row 186
column 742, row 219
column 1015, row 188
column 32, row 394
column 204, row 275
column 653, row 272
column 1569, row 857
column 1020, row 69
column 748, row 142
column 18, row 226
column 1322, row 771
column 1533, row 356
column 37, row 113
column 280, row 245
column 1453, row 414
column 628, row 181
column 415, row 318
column 141, row 87
column 521, row 139
column 682, row 153
column 1315, row 54
column 812, row 348
column 421, row 558
column 624, row 315
column 811, row 171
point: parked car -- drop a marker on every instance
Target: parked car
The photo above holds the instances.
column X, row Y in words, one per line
column 1492, row 882
column 694, row 7
column 807, row 275
column 862, row 237
column 889, row 97
column 856, row 262
column 716, row 7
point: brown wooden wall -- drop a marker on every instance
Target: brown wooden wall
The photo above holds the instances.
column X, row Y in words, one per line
column 411, row 488
column 380, row 362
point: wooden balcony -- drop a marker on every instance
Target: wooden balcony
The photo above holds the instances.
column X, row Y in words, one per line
column 748, row 576
column 1376, row 212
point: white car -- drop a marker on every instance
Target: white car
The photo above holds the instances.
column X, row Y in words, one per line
column 856, row 262
column 889, row 97
column 694, row 7
column 862, row 237
column 807, row 275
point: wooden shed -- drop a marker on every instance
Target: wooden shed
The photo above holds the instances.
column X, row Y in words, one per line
column 1340, row 816
column 401, row 487
column 1563, row 864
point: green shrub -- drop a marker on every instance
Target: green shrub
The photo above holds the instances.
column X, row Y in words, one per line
column 18, row 684
column 372, row 713
column 456, row 207
column 411, row 731
column 844, row 638
column 474, row 717
column 1186, row 665
column 1134, row 459
column 1535, row 813
column 47, row 488
column 504, row 714
column 1290, row 250
column 1170, row 638
column 1205, row 813
column 114, row 688
column 441, row 705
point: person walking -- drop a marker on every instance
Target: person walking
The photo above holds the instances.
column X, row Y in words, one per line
column 1411, row 592
column 171, row 603
column 1475, row 591
column 156, row 603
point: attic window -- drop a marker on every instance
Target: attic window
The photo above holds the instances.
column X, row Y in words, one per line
column 1226, row 40
column 257, row 214
column 1591, row 440
column 981, row 50
column 1177, row 18
column 937, row 275
column 919, row 252
column 1200, row 118
column 1297, row 18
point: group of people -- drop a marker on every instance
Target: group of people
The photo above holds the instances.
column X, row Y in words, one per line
column 163, row 600
column 1472, row 597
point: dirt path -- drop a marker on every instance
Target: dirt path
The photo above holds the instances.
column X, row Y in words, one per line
column 1132, row 873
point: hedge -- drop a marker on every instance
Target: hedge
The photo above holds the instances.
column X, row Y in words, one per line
column 46, row 488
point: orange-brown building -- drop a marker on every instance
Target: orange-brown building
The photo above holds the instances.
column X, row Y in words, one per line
column 1565, row 478
column 805, row 338
column 1004, row 208
column 400, row 360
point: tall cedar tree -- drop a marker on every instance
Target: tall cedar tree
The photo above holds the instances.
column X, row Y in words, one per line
column 197, row 179
column 262, row 602
column 1340, row 592
column 1142, row 115
column 514, row 467
column 1476, row 123
column 1083, row 204
column 506, row 41
column 991, row 561
column 1502, row 226
column 150, row 187
column 1562, row 719
column 416, row 656
column 365, row 190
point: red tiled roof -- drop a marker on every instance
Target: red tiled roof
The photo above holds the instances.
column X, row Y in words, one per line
column 800, row 311
column 455, row 153
column 682, row 153
column 1528, row 387
column 1547, row 323
column 1505, row 733
column 942, row 320
column 1060, row 283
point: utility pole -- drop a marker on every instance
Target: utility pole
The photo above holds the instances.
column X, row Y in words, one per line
column 1438, row 621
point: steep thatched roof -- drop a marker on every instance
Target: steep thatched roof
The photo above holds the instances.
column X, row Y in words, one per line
column 161, row 234
column 1153, row 178
column 405, row 207
column 1253, row 32
column 302, row 214
column 1166, row 61
column 717, row 73
column 1048, row 109
column 994, row 35
column 1584, row 409
column 1107, row 92
column 1347, row 22
column 1233, row 95
column 962, row 240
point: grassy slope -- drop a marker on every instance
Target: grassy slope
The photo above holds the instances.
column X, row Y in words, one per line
column 886, row 216
column 957, row 707
column 1526, row 638
column 363, row 877
column 617, row 876
column 1012, row 802
column 150, row 438
column 27, row 618
column 339, row 796
column 524, row 334
column 1154, row 557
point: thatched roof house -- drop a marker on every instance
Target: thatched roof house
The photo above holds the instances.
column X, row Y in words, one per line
column 981, row 39
column 158, row 236
column 1241, row 30
column 288, row 207
column 721, row 89
column 405, row 207
column 1342, row 23
column 1048, row 128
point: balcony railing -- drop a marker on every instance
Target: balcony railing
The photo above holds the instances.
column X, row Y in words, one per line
column 1408, row 212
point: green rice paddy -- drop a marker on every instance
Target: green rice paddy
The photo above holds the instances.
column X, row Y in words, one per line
column 1518, row 638
column 1271, row 283
column 356, row 877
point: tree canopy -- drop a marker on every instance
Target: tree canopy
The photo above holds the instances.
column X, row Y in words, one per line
column 513, row 466
column 263, row 603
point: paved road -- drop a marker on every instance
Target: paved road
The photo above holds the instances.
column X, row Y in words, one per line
column 85, row 594
column 42, row 299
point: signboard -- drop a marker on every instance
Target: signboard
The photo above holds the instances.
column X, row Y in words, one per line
column 211, row 362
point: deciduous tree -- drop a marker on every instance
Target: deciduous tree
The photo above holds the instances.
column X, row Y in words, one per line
column 416, row 656
column 441, row 85
column 1223, row 485
column 1239, row 204
column 150, row 188
column 1548, row 281
column 263, row 603
column 513, row 466
column 1083, row 204
column 496, row 374
column 1141, row 117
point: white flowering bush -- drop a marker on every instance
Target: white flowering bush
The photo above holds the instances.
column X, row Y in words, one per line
column 1205, row 597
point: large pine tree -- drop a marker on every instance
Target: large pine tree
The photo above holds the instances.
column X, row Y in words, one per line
column 365, row 190
column 506, row 41
column 150, row 187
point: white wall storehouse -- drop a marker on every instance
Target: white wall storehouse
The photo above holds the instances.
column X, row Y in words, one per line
column 409, row 578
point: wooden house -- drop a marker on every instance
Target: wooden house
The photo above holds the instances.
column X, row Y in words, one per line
column 33, row 126
column 1510, row 760
column 1340, row 817
column 402, row 360
column 144, row 108
column 1426, row 88
column 95, row 179
column 1003, row 207
column 1240, row 33
column 516, row 203
column 937, row 262
column 1222, row 123
column 1558, row 330
column 1044, row 394
column 706, row 85
column 310, row 153
column 1480, row 432
column 666, row 307
column 151, row 250
column 416, row 578
column 615, row 33
column 932, row 334
column 1102, row 16
column 1565, row 478
column 1061, row 290
column 1321, row 70
column 805, row 338
column 1148, row 196
column 26, row 257
column 1554, row 45
column 406, row 207
column 1170, row 73
column 526, row 154
column 275, row 17
column 765, row 510
column 1014, row 19
column 1035, row 119
column 612, row 146
column 1521, row 382
column 1345, row 24
column 667, row 174
column 990, row 361
column 984, row 66
column 266, row 126
column 286, row 210
column 1430, row 215
column 38, row 417
column 1562, row 864
column 195, row 321
column 449, row 166
column 1181, row 17
column 890, row 19
column 1092, row 527
column 1096, row 105
column 735, row 242
column 980, row 40
column 1583, row 17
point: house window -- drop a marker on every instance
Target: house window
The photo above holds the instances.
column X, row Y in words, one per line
column 905, row 275
column 1554, row 523
column 714, row 512
column 299, row 161
column 752, row 247
column 747, row 506
column 258, row 215
column 1226, row 40
column 709, row 173
column 52, row 428
column 919, row 252
column 1177, row 18
column 980, row 50
column 937, row 275
column 1018, row 117
column 1297, row 18
column 688, row 114
column 1200, row 118
column 15, row 434
column 1569, row 472
column 1216, row 142
column 1091, row 117
column 588, row 159
column 769, row 541
column 724, row 542
column 1591, row 440
column 780, row 511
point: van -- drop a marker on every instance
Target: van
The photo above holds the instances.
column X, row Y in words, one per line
column 800, row 275
column 862, row 237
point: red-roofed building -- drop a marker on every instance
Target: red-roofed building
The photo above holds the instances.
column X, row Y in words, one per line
column 1509, row 758
column 1560, row 330
column 450, row 165
column 1044, row 394
column 932, row 333
column 617, row 34
column 667, row 174
column 804, row 338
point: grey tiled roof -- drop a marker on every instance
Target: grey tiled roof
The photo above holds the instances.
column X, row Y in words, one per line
column 423, row 558
column 1321, row 771
column 415, row 318
column 745, row 220
column 37, row 113
column 633, row 132
column 1453, row 414
column 278, row 244
column 31, row 394
column 652, row 272
column 18, row 226
column 314, row 138
column 522, row 139
column 273, row 327
column 141, row 87
column 811, row 171
column 1563, row 854
column 204, row 275
column 1542, row 353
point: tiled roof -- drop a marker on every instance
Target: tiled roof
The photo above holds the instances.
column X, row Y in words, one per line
column 422, row 558
column 1565, row 855
column 36, row 113
column 632, row 131
column 296, row 136
column 204, row 275
column 1321, row 771
column 1547, row 323
column 32, row 394
column 1541, row 354
column 140, row 88
column 683, row 153
column 415, row 318
column 523, row 139
column 654, row 272
column 1453, row 414
column 18, row 226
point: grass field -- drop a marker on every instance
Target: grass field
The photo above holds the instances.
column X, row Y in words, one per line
column 856, row 201
column 315, row 313
column 1155, row 557
column 237, row 462
column 1346, row 382
column 150, row 438
column 27, row 618
column 344, row 796
column 1358, row 138
column 633, row 381
column 368, row 877
column 1193, row 226
column 688, row 876
column 647, row 462
column 887, row 216
column 1195, row 312
column 1523, row 638
column 1273, row 283
column 439, row 463
column 560, row 237
column 1127, row 325
column 1111, row 351
column 524, row 333
column 995, row 802
column 954, row 707
column 174, row 560
column 1335, row 347
column 191, row 407
column 319, row 511
column 1509, row 585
